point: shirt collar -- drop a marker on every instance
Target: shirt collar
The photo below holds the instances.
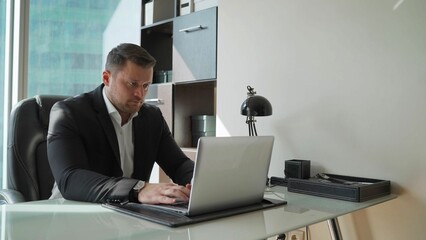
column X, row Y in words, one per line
column 112, row 111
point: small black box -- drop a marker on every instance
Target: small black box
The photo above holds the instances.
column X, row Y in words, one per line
column 366, row 189
column 296, row 168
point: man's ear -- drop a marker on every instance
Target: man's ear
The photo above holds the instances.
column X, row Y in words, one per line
column 105, row 77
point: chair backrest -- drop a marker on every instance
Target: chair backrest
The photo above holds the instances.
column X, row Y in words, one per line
column 28, row 168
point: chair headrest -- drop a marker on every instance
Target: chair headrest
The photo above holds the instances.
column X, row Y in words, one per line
column 45, row 103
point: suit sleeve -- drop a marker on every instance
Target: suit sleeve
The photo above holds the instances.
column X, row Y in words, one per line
column 172, row 160
column 70, row 165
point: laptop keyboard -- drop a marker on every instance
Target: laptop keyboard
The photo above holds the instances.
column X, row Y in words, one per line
column 180, row 204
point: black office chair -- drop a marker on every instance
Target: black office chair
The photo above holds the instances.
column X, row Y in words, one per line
column 29, row 174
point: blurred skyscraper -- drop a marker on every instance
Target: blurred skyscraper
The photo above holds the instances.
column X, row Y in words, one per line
column 64, row 48
column 65, row 45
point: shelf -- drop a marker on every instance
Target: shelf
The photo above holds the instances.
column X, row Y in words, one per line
column 158, row 12
column 191, row 99
column 201, row 81
column 157, row 39
column 159, row 24
column 191, row 56
column 190, row 152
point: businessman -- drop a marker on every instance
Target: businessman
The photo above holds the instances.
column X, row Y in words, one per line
column 102, row 145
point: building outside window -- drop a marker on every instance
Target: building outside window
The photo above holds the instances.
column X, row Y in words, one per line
column 65, row 47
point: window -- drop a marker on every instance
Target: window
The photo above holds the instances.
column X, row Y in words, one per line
column 66, row 42
column 65, row 45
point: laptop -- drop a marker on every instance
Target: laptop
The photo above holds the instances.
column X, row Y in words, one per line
column 230, row 176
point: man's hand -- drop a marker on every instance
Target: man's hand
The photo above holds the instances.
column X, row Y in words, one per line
column 164, row 193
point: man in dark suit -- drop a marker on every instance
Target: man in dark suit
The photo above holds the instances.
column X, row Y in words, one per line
column 102, row 145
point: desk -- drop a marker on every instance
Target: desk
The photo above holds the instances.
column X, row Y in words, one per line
column 64, row 219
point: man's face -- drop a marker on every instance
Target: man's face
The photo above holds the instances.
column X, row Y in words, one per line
column 127, row 87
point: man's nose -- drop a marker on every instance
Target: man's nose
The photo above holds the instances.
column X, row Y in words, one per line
column 139, row 92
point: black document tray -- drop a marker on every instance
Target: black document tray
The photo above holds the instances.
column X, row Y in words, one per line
column 350, row 192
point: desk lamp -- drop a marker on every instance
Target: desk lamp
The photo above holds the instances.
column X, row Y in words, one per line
column 255, row 105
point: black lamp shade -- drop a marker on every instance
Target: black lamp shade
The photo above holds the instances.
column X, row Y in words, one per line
column 256, row 106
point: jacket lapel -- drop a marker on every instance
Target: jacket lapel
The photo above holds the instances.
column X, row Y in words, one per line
column 105, row 121
column 143, row 146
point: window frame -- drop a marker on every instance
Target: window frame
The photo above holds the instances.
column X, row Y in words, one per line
column 16, row 61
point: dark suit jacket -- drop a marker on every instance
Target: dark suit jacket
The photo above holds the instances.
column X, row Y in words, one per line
column 84, row 155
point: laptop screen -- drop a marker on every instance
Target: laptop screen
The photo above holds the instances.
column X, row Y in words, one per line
column 230, row 172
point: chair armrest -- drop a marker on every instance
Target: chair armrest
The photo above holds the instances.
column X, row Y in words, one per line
column 10, row 196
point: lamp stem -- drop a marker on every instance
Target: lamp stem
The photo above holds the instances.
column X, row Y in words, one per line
column 249, row 121
column 254, row 128
column 251, row 126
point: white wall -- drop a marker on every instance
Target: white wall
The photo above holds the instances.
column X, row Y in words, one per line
column 347, row 81
column 124, row 26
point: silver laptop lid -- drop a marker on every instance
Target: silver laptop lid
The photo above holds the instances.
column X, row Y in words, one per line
column 229, row 172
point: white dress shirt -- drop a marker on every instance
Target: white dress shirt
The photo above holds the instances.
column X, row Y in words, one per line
column 124, row 136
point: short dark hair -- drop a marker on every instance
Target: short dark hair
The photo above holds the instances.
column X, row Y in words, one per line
column 124, row 52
